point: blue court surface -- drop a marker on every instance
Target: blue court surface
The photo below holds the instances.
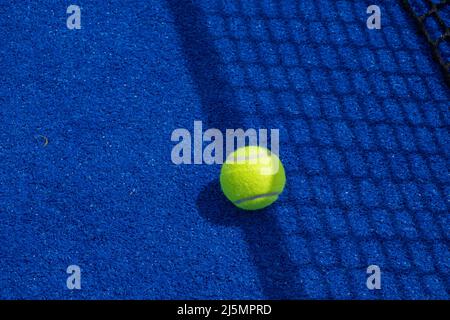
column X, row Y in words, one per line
column 87, row 179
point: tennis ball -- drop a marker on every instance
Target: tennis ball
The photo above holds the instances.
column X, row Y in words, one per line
column 252, row 178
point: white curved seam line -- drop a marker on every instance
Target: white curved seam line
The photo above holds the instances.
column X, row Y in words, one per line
column 270, row 194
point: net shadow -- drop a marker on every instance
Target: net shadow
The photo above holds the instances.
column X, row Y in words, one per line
column 363, row 116
column 262, row 235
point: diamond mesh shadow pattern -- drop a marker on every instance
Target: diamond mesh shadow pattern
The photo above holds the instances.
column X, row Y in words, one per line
column 363, row 116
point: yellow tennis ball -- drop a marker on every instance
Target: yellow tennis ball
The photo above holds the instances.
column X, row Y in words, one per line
column 252, row 178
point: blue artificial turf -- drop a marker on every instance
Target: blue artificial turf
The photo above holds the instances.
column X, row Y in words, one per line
column 363, row 117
